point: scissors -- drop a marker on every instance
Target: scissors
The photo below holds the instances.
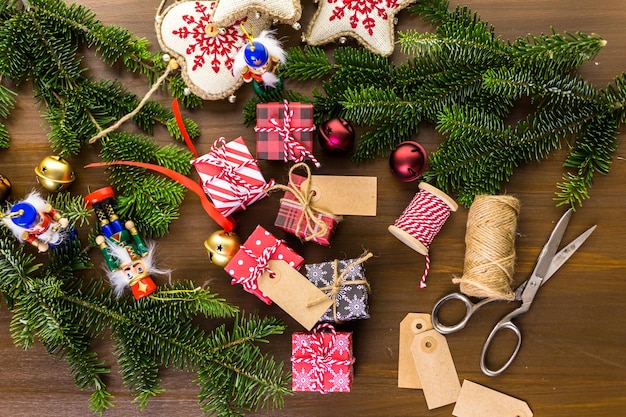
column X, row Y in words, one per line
column 548, row 262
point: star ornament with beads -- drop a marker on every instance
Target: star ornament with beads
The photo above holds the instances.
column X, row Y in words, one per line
column 371, row 22
column 285, row 11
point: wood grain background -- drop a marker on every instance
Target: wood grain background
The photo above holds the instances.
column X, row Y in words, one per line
column 572, row 360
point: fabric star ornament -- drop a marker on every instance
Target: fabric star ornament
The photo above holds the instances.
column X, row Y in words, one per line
column 186, row 30
column 285, row 11
column 371, row 22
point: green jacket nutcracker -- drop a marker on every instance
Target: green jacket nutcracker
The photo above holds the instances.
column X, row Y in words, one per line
column 128, row 258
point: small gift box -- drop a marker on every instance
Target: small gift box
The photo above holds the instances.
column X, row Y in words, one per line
column 251, row 261
column 298, row 215
column 284, row 131
column 321, row 360
column 344, row 282
column 231, row 176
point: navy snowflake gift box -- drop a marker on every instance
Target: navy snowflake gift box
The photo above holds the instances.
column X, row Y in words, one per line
column 344, row 282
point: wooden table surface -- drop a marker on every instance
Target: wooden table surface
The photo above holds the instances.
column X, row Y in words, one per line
column 572, row 361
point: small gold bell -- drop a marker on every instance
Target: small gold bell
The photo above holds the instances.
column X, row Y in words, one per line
column 5, row 188
column 54, row 173
column 221, row 246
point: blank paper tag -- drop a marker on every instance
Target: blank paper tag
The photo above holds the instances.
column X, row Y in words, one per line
column 435, row 368
column 344, row 195
column 478, row 401
column 291, row 291
column 411, row 325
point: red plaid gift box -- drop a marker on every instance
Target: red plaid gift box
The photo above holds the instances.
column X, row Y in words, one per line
column 321, row 360
column 231, row 176
column 292, row 218
column 251, row 260
column 284, row 131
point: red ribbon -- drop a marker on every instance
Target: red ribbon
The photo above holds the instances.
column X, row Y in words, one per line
column 291, row 146
column 227, row 223
column 181, row 127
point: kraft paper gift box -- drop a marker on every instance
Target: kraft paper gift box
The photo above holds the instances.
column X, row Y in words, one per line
column 244, row 266
column 231, row 176
column 321, row 360
column 342, row 280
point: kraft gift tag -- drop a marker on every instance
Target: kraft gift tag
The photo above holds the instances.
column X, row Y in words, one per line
column 291, row 291
column 412, row 324
column 478, row 401
column 435, row 368
column 344, row 195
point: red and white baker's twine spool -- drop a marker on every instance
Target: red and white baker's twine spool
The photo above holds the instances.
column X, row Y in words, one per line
column 422, row 220
column 292, row 149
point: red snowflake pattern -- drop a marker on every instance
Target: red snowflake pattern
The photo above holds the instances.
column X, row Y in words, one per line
column 364, row 9
column 205, row 43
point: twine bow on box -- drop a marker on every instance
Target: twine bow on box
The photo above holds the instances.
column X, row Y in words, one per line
column 331, row 291
column 292, row 149
column 303, row 194
column 320, row 355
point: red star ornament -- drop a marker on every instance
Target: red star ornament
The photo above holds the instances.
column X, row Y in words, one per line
column 371, row 22
column 206, row 53
column 285, row 11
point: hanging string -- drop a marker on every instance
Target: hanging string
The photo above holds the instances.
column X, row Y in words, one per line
column 422, row 220
column 490, row 247
column 172, row 65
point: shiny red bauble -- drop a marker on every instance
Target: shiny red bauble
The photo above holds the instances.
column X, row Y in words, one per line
column 336, row 135
column 407, row 161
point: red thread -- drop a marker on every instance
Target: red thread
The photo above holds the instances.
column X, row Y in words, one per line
column 423, row 219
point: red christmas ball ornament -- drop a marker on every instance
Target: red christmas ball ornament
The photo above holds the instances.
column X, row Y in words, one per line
column 336, row 135
column 407, row 161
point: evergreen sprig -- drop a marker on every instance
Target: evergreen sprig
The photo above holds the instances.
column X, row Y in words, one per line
column 466, row 80
column 52, row 304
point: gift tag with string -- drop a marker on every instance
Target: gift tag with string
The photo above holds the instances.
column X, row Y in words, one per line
column 294, row 293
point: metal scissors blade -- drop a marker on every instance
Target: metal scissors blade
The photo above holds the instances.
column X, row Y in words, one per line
column 558, row 259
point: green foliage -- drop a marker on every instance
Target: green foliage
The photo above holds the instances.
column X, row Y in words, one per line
column 466, row 80
column 150, row 200
column 41, row 43
column 52, row 304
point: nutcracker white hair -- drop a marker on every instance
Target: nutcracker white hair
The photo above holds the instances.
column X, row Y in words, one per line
column 274, row 49
column 40, row 204
column 118, row 279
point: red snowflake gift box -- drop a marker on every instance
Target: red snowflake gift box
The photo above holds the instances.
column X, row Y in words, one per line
column 298, row 215
column 231, row 176
column 253, row 257
column 284, row 131
column 321, row 360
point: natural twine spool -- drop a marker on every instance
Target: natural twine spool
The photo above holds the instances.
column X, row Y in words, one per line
column 490, row 247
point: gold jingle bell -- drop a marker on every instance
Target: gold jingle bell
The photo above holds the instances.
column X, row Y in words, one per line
column 54, row 173
column 5, row 188
column 221, row 246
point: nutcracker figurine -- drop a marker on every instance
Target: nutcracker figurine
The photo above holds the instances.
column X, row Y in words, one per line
column 259, row 60
column 128, row 258
column 35, row 221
